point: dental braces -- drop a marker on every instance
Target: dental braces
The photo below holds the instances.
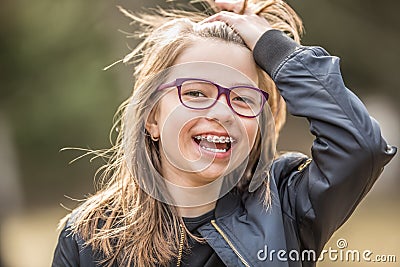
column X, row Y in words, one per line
column 215, row 139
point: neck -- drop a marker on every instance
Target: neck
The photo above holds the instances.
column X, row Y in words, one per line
column 193, row 201
column 195, row 211
column 193, row 195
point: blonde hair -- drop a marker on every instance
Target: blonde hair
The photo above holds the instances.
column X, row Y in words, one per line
column 122, row 222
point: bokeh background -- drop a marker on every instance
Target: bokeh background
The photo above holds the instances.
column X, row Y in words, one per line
column 54, row 94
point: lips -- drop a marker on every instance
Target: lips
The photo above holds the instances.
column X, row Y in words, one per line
column 216, row 143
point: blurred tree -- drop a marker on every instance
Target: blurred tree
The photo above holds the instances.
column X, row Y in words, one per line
column 54, row 91
column 364, row 33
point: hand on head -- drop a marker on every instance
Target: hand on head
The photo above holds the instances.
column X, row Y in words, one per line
column 236, row 6
column 243, row 18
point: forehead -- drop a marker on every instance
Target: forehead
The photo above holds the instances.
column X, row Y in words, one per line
column 225, row 63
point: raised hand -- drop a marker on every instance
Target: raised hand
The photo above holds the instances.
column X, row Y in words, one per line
column 242, row 18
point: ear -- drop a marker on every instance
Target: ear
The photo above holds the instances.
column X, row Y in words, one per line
column 152, row 123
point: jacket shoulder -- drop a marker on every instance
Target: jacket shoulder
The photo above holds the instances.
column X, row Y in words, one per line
column 71, row 249
column 286, row 164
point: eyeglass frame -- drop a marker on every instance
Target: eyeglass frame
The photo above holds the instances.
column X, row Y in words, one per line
column 221, row 90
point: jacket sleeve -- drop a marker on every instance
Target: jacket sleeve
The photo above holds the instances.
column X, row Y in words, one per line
column 348, row 153
column 66, row 253
column 71, row 251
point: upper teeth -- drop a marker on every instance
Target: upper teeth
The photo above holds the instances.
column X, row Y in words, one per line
column 215, row 139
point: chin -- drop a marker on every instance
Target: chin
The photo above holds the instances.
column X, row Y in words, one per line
column 209, row 176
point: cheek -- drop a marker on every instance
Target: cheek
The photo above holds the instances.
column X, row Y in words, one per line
column 175, row 123
column 251, row 129
column 173, row 117
column 168, row 110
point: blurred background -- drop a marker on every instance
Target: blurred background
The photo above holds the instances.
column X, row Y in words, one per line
column 54, row 94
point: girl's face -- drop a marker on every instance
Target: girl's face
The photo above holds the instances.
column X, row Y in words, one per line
column 199, row 146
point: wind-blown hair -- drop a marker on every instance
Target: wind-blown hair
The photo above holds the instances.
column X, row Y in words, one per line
column 121, row 222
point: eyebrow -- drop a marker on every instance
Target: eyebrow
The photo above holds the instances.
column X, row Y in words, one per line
column 244, row 84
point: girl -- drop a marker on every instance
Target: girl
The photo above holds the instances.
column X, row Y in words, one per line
column 194, row 179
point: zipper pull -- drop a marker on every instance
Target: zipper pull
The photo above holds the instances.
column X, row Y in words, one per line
column 305, row 164
column 180, row 252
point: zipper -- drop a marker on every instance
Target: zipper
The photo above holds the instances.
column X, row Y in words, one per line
column 214, row 223
column 303, row 165
column 182, row 239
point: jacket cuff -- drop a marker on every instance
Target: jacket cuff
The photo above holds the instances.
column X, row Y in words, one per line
column 272, row 48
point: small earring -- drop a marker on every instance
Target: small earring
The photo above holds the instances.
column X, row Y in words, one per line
column 154, row 139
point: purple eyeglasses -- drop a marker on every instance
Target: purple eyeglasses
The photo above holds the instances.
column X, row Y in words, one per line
column 198, row 94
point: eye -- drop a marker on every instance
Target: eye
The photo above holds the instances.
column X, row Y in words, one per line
column 243, row 99
column 194, row 93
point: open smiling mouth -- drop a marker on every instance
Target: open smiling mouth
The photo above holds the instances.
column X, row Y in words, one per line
column 214, row 143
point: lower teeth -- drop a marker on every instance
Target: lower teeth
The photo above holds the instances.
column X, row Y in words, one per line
column 215, row 150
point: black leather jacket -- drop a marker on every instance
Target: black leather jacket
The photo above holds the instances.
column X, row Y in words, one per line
column 310, row 199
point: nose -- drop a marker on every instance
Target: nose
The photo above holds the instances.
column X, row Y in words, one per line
column 221, row 110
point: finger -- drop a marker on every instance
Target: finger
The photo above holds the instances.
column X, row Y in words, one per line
column 233, row 5
column 223, row 16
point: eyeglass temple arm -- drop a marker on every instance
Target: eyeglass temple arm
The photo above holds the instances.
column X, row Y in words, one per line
column 167, row 85
column 266, row 95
